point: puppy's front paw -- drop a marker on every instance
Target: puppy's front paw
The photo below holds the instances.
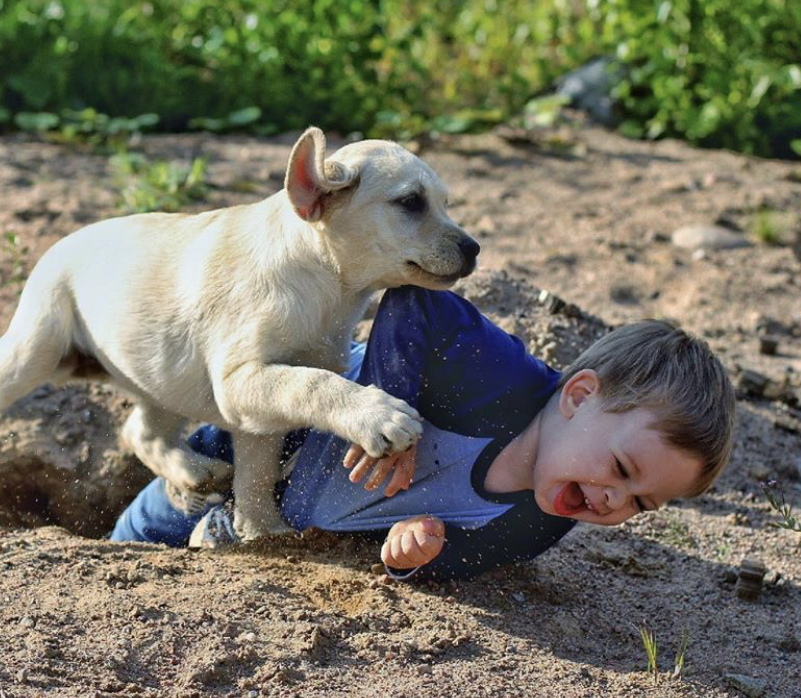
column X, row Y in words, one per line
column 382, row 424
column 267, row 524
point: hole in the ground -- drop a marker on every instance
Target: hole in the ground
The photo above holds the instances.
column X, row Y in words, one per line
column 25, row 507
column 33, row 494
column 61, row 462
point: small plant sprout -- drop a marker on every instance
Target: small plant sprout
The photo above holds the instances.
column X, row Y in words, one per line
column 18, row 254
column 776, row 500
column 157, row 186
column 678, row 663
column 649, row 642
column 764, row 227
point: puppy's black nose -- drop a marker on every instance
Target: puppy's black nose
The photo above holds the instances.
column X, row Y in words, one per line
column 469, row 248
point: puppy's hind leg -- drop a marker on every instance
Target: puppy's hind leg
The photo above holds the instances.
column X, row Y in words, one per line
column 154, row 435
column 39, row 337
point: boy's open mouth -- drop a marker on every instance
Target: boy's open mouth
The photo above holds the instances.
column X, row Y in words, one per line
column 570, row 500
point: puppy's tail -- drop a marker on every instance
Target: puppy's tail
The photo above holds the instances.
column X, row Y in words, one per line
column 39, row 337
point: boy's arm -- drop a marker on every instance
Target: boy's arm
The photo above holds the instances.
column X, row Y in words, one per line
column 519, row 534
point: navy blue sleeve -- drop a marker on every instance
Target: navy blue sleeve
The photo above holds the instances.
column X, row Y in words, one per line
column 463, row 373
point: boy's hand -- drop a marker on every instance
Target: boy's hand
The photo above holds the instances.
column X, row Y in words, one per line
column 403, row 463
column 413, row 542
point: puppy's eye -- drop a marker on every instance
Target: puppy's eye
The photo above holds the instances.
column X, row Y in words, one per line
column 412, row 203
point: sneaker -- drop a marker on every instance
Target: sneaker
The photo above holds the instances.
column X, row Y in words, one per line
column 191, row 503
column 216, row 528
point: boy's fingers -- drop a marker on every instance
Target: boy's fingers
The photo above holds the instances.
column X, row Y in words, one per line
column 413, row 542
column 360, row 469
column 352, row 456
column 404, row 472
column 382, row 468
column 419, row 548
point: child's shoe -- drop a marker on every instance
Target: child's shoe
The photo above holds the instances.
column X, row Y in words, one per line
column 191, row 503
column 216, row 528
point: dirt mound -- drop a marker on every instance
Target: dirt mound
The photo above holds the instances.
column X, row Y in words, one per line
column 580, row 212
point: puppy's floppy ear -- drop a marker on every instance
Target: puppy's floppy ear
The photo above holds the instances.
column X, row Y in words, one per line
column 309, row 177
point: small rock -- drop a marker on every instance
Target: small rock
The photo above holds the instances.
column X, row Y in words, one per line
column 709, row 237
column 249, row 637
column 749, row 579
column 768, row 345
column 378, row 568
column 22, row 676
column 28, row 622
column 517, row 596
column 553, row 304
column 423, row 669
column 752, row 382
column 753, row 688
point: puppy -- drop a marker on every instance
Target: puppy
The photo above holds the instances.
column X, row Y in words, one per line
column 242, row 316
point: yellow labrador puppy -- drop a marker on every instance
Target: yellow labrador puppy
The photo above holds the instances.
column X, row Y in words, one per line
column 242, row 317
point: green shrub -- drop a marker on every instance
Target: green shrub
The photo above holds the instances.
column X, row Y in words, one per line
column 717, row 72
column 368, row 65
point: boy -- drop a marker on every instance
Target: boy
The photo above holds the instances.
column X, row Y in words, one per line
column 512, row 453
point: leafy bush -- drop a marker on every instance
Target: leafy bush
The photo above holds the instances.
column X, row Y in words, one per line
column 716, row 72
column 369, row 65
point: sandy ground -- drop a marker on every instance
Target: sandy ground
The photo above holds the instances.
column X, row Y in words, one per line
column 573, row 209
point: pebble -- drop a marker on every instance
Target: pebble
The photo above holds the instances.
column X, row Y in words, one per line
column 423, row 669
column 28, row 622
column 749, row 579
column 709, row 237
column 250, row 637
column 22, row 676
column 768, row 345
column 753, row 688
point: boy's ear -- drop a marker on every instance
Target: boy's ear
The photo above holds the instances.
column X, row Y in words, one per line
column 574, row 393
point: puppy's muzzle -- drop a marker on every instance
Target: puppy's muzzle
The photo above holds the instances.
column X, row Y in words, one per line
column 469, row 250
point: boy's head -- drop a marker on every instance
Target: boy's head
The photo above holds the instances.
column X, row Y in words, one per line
column 646, row 412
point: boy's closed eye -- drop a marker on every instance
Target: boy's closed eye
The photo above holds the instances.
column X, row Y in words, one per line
column 624, row 473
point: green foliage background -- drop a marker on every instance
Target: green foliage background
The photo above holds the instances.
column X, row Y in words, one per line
column 718, row 72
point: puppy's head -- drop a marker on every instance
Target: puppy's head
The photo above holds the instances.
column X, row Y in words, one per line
column 383, row 212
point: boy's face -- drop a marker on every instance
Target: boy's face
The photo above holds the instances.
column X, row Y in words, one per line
column 603, row 468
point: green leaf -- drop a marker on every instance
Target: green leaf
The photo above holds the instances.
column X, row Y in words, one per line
column 36, row 121
column 245, row 116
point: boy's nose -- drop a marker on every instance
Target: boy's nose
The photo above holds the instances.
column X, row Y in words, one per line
column 615, row 498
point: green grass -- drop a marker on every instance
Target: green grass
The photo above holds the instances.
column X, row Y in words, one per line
column 651, row 651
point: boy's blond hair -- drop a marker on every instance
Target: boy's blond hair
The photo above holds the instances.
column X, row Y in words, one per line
column 658, row 366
